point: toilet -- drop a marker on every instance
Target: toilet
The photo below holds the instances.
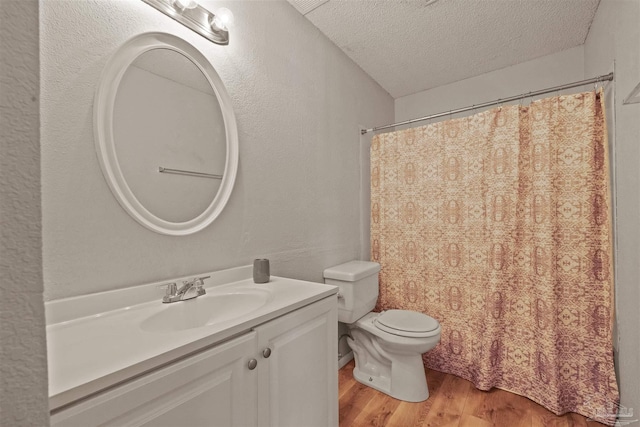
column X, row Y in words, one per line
column 387, row 346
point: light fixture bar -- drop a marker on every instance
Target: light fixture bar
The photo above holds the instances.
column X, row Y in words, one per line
column 197, row 19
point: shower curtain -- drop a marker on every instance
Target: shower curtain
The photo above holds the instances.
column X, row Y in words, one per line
column 498, row 225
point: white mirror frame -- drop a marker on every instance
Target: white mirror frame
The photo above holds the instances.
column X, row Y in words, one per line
column 104, row 102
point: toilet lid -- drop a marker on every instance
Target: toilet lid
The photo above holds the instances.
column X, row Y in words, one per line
column 406, row 323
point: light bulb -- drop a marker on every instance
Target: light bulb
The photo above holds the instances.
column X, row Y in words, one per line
column 185, row 4
column 222, row 18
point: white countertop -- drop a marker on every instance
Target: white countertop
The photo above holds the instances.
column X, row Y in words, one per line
column 107, row 344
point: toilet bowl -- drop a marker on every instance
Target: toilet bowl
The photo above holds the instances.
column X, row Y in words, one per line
column 387, row 346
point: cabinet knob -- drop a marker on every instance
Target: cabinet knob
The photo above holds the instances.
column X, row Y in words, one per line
column 252, row 364
column 266, row 353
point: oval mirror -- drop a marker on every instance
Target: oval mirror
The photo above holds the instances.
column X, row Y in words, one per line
column 166, row 134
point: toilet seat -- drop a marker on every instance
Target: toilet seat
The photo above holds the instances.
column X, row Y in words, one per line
column 406, row 323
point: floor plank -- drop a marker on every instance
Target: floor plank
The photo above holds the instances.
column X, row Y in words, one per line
column 345, row 375
column 415, row 414
column 377, row 412
column 354, row 402
column 541, row 417
column 448, row 403
column 470, row 421
column 501, row 407
column 575, row 420
column 453, row 402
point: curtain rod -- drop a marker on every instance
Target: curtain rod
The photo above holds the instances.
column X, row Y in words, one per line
column 602, row 78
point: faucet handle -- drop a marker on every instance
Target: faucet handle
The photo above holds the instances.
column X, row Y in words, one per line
column 170, row 289
column 200, row 285
column 199, row 281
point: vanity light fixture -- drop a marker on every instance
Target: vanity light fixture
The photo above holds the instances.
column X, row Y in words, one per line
column 212, row 26
column 222, row 19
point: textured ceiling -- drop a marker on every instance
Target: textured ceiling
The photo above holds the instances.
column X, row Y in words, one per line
column 412, row 45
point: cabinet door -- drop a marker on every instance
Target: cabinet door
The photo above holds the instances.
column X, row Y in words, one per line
column 298, row 381
column 211, row 388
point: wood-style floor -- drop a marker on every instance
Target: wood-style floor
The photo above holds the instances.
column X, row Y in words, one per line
column 453, row 402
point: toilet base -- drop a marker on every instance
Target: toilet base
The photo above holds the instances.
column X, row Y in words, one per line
column 400, row 375
column 379, row 383
column 390, row 363
column 416, row 391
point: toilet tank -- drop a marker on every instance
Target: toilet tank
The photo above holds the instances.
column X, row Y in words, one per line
column 358, row 283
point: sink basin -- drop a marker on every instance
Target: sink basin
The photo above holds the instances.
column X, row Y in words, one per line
column 214, row 307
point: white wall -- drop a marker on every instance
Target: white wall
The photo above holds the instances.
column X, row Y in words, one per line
column 23, row 362
column 299, row 102
column 615, row 36
column 547, row 71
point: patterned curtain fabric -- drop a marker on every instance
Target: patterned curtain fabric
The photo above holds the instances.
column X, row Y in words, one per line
column 498, row 225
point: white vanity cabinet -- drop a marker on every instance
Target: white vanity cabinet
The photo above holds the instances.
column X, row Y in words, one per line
column 212, row 388
column 280, row 373
column 297, row 368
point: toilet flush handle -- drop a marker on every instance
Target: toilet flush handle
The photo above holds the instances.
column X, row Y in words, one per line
column 340, row 296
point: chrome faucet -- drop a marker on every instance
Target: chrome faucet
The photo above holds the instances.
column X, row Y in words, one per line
column 190, row 289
